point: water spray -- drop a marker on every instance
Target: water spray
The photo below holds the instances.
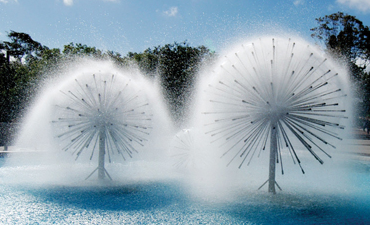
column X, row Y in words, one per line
column 279, row 90
column 104, row 113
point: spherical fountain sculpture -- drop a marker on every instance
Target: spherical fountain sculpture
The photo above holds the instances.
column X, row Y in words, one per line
column 277, row 94
column 189, row 150
column 101, row 113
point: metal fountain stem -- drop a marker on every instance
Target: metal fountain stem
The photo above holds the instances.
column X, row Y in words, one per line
column 101, row 168
column 273, row 150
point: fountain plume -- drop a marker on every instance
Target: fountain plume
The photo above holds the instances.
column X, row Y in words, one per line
column 278, row 94
column 103, row 114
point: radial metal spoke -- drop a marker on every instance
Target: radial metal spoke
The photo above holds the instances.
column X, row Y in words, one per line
column 104, row 114
column 276, row 90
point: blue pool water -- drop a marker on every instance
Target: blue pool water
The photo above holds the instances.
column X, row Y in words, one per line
column 170, row 203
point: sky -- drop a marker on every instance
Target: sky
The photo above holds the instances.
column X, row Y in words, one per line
column 134, row 25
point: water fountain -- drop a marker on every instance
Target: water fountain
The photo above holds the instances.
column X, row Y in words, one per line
column 102, row 111
column 95, row 113
column 170, row 180
column 273, row 93
column 188, row 150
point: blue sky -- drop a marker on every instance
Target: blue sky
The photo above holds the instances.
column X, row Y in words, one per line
column 135, row 25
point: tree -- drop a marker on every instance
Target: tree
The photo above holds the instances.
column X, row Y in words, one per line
column 348, row 39
column 147, row 61
column 81, row 50
column 72, row 51
column 23, row 46
column 3, row 60
column 176, row 65
column 344, row 35
column 24, row 63
column 18, row 73
column 118, row 59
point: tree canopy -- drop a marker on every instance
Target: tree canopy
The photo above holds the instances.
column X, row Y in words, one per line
column 344, row 35
column 22, row 46
column 348, row 39
column 24, row 61
column 176, row 65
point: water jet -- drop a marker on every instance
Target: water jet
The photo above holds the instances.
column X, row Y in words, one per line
column 279, row 90
column 104, row 113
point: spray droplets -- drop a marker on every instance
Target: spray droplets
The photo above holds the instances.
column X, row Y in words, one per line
column 104, row 112
column 279, row 87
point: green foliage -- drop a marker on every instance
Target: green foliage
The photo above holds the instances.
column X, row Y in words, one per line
column 117, row 59
column 72, row 51
column 23, row 46
column 15, row 90
column 348, row 39
column 176, row 65
column 23, row 63
column 17, row 73
column 344, row 36
column 147, row 61
column 81, row 50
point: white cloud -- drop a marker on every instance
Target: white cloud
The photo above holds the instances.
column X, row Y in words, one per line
column 68, row 2
column 171, row 12
column 298, row 2
column 331, row 7
column 361, row 5
column 7, row 1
